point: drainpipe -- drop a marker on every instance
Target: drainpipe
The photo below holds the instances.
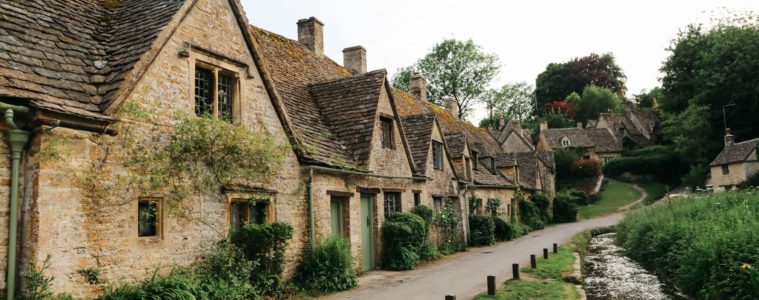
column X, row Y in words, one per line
column 311, row 230
column 16, row 139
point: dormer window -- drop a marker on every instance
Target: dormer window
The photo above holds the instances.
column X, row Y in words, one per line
column 565, row 142
column 621, row 130
column 387, row 132
column 215, row 91
column 437, row 155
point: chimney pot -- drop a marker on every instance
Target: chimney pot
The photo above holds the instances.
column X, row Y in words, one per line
column 311, row 34
column 418, row 86
column 729, row 138
column 451, row 106
column 354, row 59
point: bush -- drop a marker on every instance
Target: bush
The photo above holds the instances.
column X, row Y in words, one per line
column 706, row 243
column 543, row 204
column 264, row 245
column 403, row 235
column 658, row 161
column 481, row 230
column 502, row 230
column 563, row 159
column 586, row 168
column 329, row 267
column 225, row 273
column 529, row 214
column 428, row 251
column 178, row 284
column 564, row 208
column 493, row 204
column 426, row 213
column 752, row 181
column 579, row 197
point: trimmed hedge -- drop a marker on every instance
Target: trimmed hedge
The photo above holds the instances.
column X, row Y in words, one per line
column 403, row 235
column 658, row 161
column 481, row 230
column 564, row 208
column 502, row 230
column 328, row 268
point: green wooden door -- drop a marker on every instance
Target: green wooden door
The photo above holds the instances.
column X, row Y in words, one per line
column 336, row 211
column 367, row 233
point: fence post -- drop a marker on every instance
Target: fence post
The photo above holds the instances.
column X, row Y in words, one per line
column 515, row 271
column 491, row 285
column 450, row 297
column 533, row 261
column 545, row 253
column 555, row 248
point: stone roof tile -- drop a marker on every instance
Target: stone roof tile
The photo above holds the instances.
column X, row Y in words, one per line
column 738, row 152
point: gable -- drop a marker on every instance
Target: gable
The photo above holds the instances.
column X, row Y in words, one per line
column 514, row 143
column 391, row 161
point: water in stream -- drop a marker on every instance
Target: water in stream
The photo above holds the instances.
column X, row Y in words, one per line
column 611, row 275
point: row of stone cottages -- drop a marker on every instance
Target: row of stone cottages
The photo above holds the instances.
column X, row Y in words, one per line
column 358, row 150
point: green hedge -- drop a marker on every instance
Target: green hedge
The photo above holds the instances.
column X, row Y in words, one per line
column 705, row 243
column 565, row 208
column 328, row 268
column 481, row 230
column 658, row 161
column 529, row 214
column 503, row 230
column 403, row 236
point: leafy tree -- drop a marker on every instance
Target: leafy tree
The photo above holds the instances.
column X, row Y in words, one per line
column 649, row 99
column 511, row 101
column 453, row 68
column 689, row 132
column 402, row 78
column 561, row 79
column 594, row 101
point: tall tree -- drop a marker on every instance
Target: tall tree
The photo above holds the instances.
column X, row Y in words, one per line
column 453, row 68
column 594, row 101
column 561, row 79
column 402, row 78
column 511, row 101
column 649, row 99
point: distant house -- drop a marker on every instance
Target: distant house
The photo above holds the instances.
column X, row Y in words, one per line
column 734, row 165
column 635, row 127
column 597, row 143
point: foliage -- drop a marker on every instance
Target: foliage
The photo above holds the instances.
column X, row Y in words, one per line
column 529, row 214
column 649, row 99
column 578, row 197
column 474, row 203
column 752, row 181
column 706, row 243
column 690, row 133
column 402, row 78
column 654, row 191
column 616, row 195
column 264, row 245
column 177, row 284
column 586, row 168
column 459, row 69
column 481, row 230
column 543, row 204
column 91, row 274
column 503, row 230
column 426, row 213
column 447, row 222
column 38, row 284
column 561, row 79
column 513, row 101
column 659, row 161
column 403, row 235
column 329, row 266
column 225, row 273
column 493, row 204
column 563, row 159
column 594, row 101
column 564, row 208
column 561, row 108
column 428, row 251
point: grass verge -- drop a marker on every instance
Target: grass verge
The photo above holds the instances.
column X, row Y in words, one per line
column 616, row 195
column 655, row 191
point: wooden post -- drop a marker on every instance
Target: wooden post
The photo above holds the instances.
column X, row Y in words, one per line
column 533, row 261
column 545, row 253
column 491, row 285
column 450, row 297
column 555, row 248
column 515, row 271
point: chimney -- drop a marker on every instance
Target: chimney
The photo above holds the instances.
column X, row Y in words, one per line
column 729, row 138
column 354, row 59
column 543, row 126
column 311, row 34
column 418, row 85
column 579, row 125
column 501, row 123
column 451, row 106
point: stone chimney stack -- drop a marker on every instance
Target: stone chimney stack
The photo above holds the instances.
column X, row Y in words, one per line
column 311, row 34
column 501, row 122
column 729, row 138
column 451, row 106
column 418, row 85
column 354, row 59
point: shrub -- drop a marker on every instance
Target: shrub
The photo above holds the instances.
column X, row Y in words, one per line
column 264, row 245
column 428, row 251
column 329, row 267
column 37, row 283
column 543, row 204
column 178, row 284
column 586, row 168
column 481, row 230
column 563, row 159
column 564, row 208
column 752, row 181
column 474, row 203
column 447, row 222
column 529, row 214
column 91, row 274
column 426, row 213
column 579, row 197
column 659, row 161
column 502, row 230
column 520, row 229
column 225, row 273
column 402, row 237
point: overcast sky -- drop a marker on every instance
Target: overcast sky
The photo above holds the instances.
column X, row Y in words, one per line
column 526, row 35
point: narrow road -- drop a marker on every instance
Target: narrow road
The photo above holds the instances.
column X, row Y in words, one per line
column 464, row 274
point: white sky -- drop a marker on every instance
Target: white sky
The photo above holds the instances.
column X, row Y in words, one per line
column 526, row 35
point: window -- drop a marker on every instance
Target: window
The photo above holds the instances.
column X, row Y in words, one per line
column 474, row 160
column 468, row 164
column 492, row 164
column 725, row 169
column 392, row 203
column 147, row 217
column 242, row 212
column 565, row 142
column 437, row 155
column 607, row 159
column 214, row 92
column 437, row 203
column 417, row 199
column 387, row 132
column 337, row 207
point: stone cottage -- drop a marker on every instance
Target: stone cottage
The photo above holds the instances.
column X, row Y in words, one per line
column 537, row 169
column 596, row 143
column 634, row 128
column 735, row 164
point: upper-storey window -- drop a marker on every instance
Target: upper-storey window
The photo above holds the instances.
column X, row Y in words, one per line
column 387, row 132
column 437, row 155
column 475, row 160
column 215, row 92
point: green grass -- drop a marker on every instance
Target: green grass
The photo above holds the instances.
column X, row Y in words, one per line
column 545, row 282
column 616, row 195
column 655, row 191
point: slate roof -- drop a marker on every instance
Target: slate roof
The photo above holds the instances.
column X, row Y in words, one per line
column 483, row 176
column 514, row 127
column 418, row 134
column 577, row 137
column 73, row 56
column 547, row 158
column 738, row 152
column 528, row 169
column 603, row 140
column 503, row 160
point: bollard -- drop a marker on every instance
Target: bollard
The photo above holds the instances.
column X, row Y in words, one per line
column 555, row 248
column 491, row 285
column 515, row 271
column 533, row 261
column 450, row 297
column 545, row 253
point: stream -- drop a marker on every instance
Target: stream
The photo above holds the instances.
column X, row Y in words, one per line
column 613, row 276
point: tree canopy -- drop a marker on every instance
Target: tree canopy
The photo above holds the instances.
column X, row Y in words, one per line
column 561, row 79
column 511, row 101
column 594, row 101
column 453, row 68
